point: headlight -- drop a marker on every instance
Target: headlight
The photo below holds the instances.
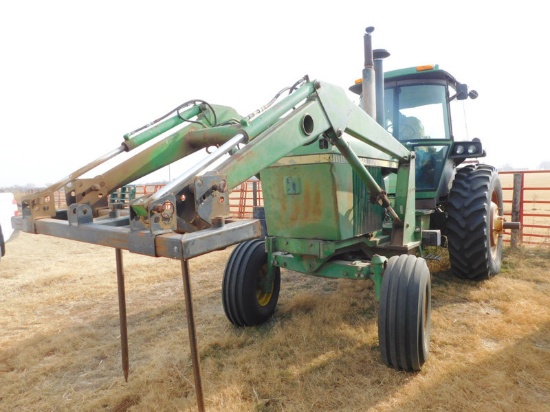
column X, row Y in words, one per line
column 465, row 149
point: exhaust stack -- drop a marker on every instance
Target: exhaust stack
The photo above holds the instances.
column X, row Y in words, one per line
column 379, row 55
column 368, row 93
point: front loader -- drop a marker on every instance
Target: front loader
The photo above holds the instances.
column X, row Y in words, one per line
column 341, row 197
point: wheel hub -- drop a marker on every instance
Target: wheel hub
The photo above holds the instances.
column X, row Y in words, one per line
column 496, row 227
column 264, row 287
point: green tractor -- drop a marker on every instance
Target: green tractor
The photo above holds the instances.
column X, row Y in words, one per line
column 350, row 191
column 464, row 198
column 322, row 219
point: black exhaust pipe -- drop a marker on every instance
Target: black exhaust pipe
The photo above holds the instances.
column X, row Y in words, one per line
column 379, row 55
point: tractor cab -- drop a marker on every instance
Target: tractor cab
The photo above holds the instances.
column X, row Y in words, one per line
column 417, row 105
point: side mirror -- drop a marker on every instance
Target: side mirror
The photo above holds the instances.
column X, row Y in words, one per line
column 461, row 91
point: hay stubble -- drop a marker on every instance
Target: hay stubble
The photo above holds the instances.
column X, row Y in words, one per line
column 59, row 346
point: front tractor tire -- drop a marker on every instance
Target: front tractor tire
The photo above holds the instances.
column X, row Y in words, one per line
column 249, row 296
column 404, row 313
column 474, row 228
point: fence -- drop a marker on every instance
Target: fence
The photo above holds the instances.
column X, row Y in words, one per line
column 526, row 197
column 242, row 199
column 531, row 208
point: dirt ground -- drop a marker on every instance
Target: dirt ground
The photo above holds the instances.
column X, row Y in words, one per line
column 60, row 340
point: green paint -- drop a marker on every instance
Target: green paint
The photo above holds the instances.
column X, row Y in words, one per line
column 378, row 264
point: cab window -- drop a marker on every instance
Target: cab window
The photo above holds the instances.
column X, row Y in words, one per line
column 417, row 112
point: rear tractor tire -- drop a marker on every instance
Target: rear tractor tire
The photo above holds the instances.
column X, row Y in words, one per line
column 404, row 313
column 474, row 223
column 249, row 297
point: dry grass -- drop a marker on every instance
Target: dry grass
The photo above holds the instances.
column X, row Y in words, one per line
column 490, row 347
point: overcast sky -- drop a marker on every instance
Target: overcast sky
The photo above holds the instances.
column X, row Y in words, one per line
column 75, row 76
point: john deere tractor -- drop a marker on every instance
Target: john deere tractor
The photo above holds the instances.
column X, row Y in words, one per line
column 350, row 191
column 463, row 197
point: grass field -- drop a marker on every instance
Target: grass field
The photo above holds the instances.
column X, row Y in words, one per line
column 59, row 347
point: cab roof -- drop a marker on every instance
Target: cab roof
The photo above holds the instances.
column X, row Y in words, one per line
column 419, row 72
column 431, row 71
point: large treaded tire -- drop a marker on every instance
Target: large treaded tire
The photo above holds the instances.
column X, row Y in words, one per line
column 475, row 200
column 404, row 313
column 245, row 301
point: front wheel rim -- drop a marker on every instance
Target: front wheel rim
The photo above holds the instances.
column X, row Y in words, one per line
column 262, row 296
column 495, row 224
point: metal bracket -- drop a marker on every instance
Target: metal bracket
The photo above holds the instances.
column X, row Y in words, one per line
column 80, row 214
column 211, row 196
column 39, row 205
column 160, row 216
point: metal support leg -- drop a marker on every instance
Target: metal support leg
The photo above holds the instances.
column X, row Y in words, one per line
column 122, row 313
column 192, row 336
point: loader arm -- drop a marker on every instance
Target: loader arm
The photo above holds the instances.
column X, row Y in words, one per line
column 174, row 147
column 314, row 113
column 327, row 115
column 94, row 191
column 327, row 110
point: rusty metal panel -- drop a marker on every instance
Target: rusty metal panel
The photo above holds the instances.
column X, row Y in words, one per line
column 208, row 240
column 311, row 201
column 171, row 245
